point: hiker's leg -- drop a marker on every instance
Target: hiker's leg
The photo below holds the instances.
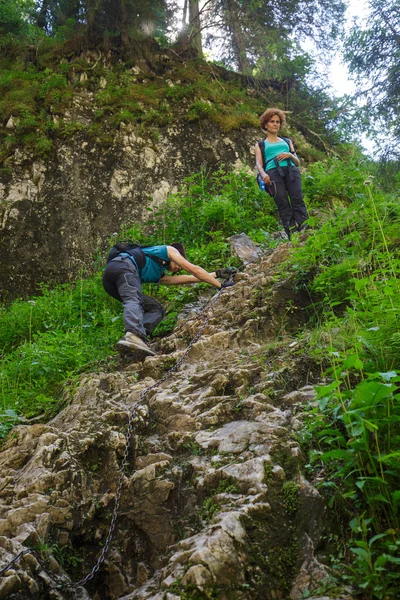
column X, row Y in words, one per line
column 129, row 289
column 109, row 276
column 295, row 191
column 153, row 313
column 280, row 196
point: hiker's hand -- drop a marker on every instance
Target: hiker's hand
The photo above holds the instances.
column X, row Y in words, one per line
column 226, row 284
column 267, row 180
column 226, row 272
column 284, row 156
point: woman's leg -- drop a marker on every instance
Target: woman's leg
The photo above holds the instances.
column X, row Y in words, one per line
column 153, row 313
column 294, row 188
column 121, row 281
column 280, row 195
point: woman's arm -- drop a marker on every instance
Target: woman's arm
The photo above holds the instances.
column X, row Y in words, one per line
column 292, row 155
column 259, row 165
column 199, row 274
column 179, row 279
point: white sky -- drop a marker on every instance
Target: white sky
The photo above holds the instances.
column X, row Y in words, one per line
column 338, row 71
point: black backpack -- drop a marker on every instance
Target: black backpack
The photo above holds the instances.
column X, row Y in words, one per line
column 136, row 251
column 259, row 179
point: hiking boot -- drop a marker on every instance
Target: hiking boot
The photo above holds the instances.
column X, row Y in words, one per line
column 302, row 227
column 135, row 343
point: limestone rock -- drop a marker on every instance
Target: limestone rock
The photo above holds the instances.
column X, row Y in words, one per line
column 202, row 507
column 11, row 123
column 86, row 190
column 244, row 248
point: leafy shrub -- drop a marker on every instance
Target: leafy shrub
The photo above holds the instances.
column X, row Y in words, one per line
column 200, row 110
column 326, row 182
column 354, row 433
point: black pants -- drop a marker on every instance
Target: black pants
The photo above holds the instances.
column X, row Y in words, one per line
column 288, row 195
column 142, row 314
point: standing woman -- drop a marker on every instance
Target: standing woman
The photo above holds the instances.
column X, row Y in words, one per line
column 277, row 164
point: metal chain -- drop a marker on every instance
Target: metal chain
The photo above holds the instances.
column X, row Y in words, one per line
column 133, row 413
column 15, row 559
column 57, row 580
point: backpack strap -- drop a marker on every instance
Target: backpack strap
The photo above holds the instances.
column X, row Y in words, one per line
column 158, row 260
column 135, row 251
column 290, row 144
column 261, row 145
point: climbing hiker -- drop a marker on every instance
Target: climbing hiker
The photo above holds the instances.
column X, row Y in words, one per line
column 129, row 265
column 277, row 164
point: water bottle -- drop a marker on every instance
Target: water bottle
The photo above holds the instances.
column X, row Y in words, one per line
column 261, row 183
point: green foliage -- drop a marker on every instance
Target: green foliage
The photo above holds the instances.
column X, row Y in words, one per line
column 31, row 97
column 355, row 435
column 209, row 509
column 259, row 34
column 14, row 20
column 8, row 419
column 350, row 268
column 226, row 487
column 373, row 55
column 324, row 183
column 50, row 340
column 209, row 209
column 65, row 555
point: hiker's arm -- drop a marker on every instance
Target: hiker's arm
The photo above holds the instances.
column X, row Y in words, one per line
column 259, row 165
column 178, row 279
column 198, row 272
column 292, row 155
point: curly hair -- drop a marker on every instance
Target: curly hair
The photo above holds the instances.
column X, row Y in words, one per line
column 269, row 113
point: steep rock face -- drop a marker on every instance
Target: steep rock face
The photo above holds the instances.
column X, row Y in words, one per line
column 213, row 503
column 55, row 213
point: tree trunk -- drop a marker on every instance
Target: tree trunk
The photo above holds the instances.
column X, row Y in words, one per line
column 91, row 20
column 124, row 25
column 238, row 41
column 183, row 40
column 195, row 27
column 41, row 19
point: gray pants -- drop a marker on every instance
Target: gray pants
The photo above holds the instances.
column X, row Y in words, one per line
column 142, row 314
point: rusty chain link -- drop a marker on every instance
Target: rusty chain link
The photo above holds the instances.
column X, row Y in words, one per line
column 134, row 412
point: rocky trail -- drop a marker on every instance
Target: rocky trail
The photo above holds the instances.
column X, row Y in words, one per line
column 214, row 501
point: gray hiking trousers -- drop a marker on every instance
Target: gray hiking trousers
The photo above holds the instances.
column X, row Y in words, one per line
column 121, row 280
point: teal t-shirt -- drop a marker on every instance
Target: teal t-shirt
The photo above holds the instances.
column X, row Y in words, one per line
column 152, row 271
column 273, row 149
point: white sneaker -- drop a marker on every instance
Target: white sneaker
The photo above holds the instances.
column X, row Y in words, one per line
column 135, row 342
